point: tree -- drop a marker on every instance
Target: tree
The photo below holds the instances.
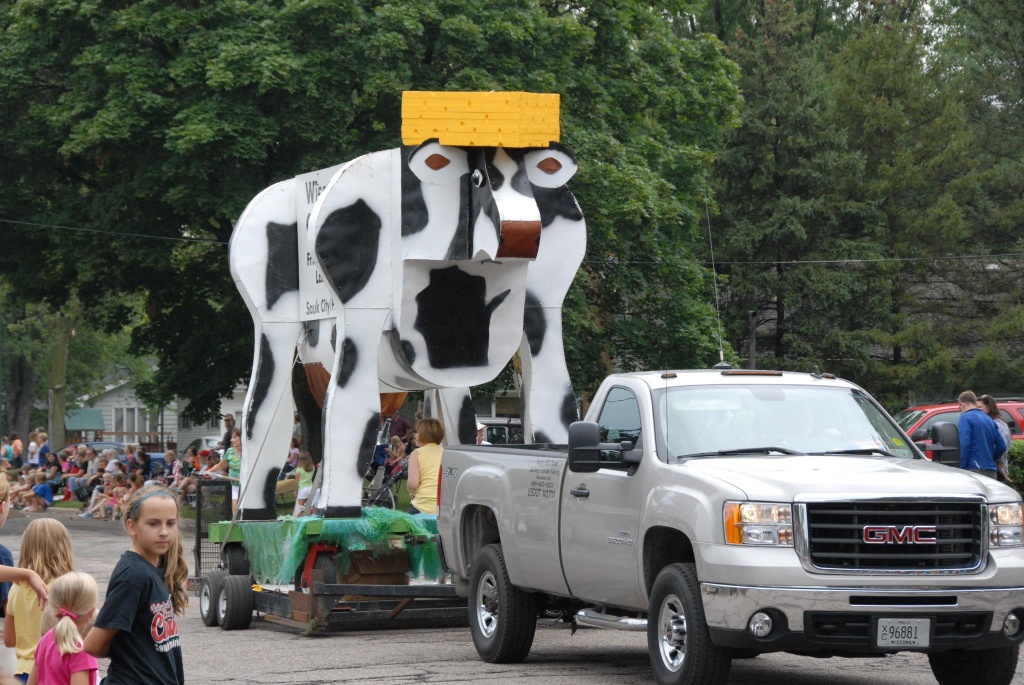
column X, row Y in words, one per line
column 161, row 121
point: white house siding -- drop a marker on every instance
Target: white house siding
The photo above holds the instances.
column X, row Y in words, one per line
column 228, row 405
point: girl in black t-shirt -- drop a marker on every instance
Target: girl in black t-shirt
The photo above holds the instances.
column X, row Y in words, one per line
column 137, row 626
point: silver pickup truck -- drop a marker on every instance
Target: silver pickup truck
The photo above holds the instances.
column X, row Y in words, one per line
column 729, row 513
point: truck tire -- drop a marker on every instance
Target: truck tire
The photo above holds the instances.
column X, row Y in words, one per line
column 209, row 596
column 502, row 618
column 234, row 610
column 677, row 633
column 235, row 560
column 968, row 667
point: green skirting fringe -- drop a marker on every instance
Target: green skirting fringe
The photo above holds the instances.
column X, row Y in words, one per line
column 277, row 549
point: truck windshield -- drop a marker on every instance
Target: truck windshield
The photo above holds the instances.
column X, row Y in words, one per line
column 776, row 419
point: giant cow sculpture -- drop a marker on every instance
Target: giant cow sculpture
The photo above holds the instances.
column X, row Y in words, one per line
column 446, row 260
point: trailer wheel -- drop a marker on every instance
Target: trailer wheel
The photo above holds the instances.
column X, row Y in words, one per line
column 209, row 595
column 234, row 559
column 502, row 618
column 234, row 610
column 678, row 638
column 994, row 666
column 325, row 563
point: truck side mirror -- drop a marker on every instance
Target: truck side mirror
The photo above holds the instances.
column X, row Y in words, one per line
column 946, row 443
column 585, row 448
column 919, row 435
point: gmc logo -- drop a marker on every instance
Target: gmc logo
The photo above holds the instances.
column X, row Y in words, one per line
column 907, row 535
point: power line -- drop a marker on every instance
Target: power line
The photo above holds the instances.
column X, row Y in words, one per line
column 612, row 261
column 117, row 233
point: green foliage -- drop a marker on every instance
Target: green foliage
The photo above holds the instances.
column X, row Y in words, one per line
column 164, row 119
column 1016, row 462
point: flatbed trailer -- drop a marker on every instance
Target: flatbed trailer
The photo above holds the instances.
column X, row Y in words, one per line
column 344, row 582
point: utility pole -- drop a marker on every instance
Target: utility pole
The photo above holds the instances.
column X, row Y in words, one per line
column 62, row 335
column 752, row 322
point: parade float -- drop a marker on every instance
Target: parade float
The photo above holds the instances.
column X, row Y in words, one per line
column 423, row 268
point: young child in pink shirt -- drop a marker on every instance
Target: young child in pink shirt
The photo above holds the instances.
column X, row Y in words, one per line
column 60, row 655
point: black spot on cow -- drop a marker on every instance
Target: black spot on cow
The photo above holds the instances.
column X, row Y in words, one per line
column 467, row 421
column 459, row 247
column 367, row 445
column 347, row 247
column 340, row 512
column 454, row 318
column 520, row 180
column 334, row 338
column 268, row 512
column 409, row 352
column 534, row 323
column 494, row 177
column 556, row 202
column 312, row 332
column 541, row 438
column 569, row 411
column 415, row 216
column 349, row 360
column 282, row 261
column 264, row 374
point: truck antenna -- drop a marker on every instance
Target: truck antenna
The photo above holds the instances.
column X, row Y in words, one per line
column 714, row 272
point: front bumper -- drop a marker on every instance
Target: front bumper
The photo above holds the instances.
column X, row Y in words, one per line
column 843, row 619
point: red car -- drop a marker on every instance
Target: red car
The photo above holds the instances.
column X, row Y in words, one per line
column 918, row 421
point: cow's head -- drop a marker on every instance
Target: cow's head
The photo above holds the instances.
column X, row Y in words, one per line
column 484, row 199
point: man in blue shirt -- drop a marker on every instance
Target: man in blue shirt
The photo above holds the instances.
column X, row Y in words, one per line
column 980, row 441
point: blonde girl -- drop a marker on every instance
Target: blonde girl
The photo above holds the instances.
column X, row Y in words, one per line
column 46, row 550
column 425, row 466
column 60, row 655
column 8, row 573
column 137, row 626
column 303, row 473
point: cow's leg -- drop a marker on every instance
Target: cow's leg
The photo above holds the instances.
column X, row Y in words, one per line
column 453, row 407
column 548, row 402
column 267, row 417
column 351, row 413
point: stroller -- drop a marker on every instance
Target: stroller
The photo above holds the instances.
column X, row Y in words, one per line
column 380, row 492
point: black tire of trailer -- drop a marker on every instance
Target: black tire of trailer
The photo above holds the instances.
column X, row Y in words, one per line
column 677, row 613
column 233, row 558
column 502, row 618
column 323, row 562
column 209, row 596
column 994, row 666
column 234, row 610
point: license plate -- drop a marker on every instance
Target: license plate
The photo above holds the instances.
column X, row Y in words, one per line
column 903, row 632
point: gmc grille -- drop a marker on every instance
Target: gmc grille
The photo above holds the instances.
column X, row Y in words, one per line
column 835, row 533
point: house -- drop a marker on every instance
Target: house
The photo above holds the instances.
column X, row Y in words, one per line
column 116, row 414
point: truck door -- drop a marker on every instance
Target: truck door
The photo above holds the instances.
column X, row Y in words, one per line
column 601, row 515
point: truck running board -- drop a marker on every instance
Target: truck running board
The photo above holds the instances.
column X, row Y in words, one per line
column 598, row 618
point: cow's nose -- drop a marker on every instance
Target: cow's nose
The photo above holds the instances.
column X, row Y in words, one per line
column 519, row 239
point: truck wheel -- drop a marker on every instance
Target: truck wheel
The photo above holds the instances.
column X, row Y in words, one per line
column 234, row 610
column 967, row 667
column 209, row 596
column 677, row 633
column 502, row 618
column 234, row 559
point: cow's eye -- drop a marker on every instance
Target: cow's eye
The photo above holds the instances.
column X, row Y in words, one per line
column 436, row 161
column 438, row 165
column 550, row 167
column 477, row 178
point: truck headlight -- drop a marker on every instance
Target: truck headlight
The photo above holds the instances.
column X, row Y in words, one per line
column 1005, row 525
column 758, row 523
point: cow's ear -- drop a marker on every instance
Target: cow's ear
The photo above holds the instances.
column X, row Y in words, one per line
column 438, row 165
column 550, row 167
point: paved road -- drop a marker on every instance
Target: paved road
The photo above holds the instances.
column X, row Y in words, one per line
column 270, row 654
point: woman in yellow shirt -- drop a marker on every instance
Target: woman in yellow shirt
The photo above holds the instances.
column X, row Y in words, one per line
column 425, row 466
